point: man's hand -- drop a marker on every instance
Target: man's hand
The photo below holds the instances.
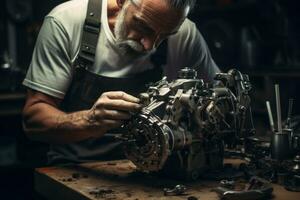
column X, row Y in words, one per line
column 112, row 109
column 44, row 121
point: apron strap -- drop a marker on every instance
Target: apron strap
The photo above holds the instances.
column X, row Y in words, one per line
column 91, row 30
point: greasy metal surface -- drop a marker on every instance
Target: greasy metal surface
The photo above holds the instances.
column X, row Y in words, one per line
column 183, row 123
column 115, row 180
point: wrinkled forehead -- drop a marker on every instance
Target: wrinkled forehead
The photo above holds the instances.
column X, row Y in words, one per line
column 161, row 2
column 159, row 14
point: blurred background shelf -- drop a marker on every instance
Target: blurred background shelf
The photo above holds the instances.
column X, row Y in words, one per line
column 11, row 104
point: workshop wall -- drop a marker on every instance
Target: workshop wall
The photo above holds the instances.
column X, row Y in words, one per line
column 20, row 21
column 261, row 38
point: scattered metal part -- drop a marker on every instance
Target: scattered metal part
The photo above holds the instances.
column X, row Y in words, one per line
column 79, row 175
column 257, row 188
column 101, row 193
column 227, row 183
column 67, row 179
column 177, row 190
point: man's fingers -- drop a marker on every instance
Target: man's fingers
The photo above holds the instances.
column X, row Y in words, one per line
column 104, row 103
column 110, row 124
column 111, row 114
column 122, row 95
column 106, row 125
column 112, row 109
column 122, row 105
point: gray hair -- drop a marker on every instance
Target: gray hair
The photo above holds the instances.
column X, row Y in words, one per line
column 178, row 4
column 181, row 4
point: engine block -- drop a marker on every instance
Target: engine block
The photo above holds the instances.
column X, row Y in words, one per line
column 184, row 123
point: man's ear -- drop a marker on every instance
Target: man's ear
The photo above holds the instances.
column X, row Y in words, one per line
column 121, row 3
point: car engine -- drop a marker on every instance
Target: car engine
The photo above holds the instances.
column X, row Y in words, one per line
column 185, row 124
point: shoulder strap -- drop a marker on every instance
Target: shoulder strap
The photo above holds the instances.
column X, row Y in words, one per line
column 91, row 30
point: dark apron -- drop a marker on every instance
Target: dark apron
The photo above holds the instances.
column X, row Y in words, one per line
column 85, row 89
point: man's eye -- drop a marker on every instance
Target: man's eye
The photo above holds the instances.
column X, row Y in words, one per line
column 142, row 28
column 144, row 31
column 139, row 28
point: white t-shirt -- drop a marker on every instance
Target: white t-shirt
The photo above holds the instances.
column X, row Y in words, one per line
column 58, row 44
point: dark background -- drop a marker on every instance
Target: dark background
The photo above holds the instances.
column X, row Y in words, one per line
column 260, row 38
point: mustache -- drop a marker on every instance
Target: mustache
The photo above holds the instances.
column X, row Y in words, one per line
column 132, row 44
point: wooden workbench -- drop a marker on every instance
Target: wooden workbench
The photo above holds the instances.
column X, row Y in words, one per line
column 120, row 180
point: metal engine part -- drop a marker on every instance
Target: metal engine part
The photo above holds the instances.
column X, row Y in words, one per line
column 184, row 122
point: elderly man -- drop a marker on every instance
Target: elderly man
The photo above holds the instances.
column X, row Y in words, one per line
column 91, row 59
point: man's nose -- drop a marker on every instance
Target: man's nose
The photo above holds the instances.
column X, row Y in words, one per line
column 148, row 42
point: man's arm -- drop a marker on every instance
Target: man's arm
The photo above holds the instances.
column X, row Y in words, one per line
column 48, row 79
column 43, row 121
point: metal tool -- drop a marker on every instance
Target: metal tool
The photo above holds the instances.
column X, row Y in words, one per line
column 257, row 188
column 270, row 116
column 278, row 107
column 227, row 184
column 280, row 142
column 177, row 190
column 289, row 115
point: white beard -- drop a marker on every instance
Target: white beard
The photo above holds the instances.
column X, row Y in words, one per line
column 128, row 47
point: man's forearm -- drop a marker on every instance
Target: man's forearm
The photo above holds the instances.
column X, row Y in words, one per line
column 45, row 123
